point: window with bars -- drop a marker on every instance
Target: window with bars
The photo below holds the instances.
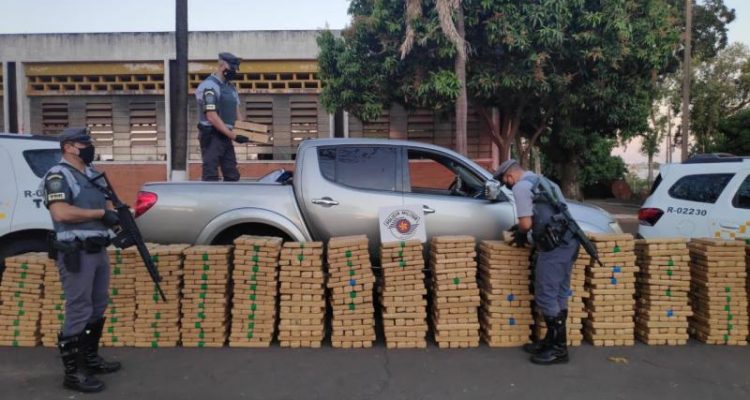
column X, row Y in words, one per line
column 144, row 131
column 260, row 111
column 420, row 125
column 304, row 120
column 54, row 117
column 99, row 122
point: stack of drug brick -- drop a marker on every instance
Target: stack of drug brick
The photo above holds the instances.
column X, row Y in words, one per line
column 53, row 305
column 120, row 313
column 21, row 299
column 455, row 292
column 662, row 307
column 350, row 281
column 576, row 303
column 611, row 292
column 717, row 291
column 505, row 315
column 254, row 277
column 302, row 304
column 205, row 296
column 403, row 295
column 157, row 323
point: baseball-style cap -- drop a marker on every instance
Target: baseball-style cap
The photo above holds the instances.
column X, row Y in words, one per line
column 79, row 135
column 504, row 167
column 231, row 59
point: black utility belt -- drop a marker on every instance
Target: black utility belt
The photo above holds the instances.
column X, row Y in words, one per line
column 93, row 244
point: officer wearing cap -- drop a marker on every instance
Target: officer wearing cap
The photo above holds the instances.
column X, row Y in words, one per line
column 81, row 216
column 554, row 262
column 218, row 103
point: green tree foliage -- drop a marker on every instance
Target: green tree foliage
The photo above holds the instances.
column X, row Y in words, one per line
column 734, row 134
column 569, row 69
column 721, row 90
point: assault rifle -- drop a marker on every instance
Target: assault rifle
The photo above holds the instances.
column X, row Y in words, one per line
column 551, row 197
column 127, row 233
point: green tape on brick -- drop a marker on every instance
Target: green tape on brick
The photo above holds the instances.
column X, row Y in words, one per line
column 23, row 275
column 251, row 297
column 352, row 272
column 352, row 306
column 201, row 344
column 206, row 267
column 256, row 268
column 117, row 271
column 115, row 292
column 300, row 257
column 353, row 294
column 154, row 344
column 16, row 322
column 111, row 329
column 456, row 281
column 616, row 249
column 204, row 277
column 256, row 248
column 204, row 286
column 348, row 254
column 205, row 256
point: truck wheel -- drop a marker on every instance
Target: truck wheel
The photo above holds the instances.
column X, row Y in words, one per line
column 20, row 246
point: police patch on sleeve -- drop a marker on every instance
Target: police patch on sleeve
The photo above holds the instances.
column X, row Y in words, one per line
column 56, row 188
column 209, row 100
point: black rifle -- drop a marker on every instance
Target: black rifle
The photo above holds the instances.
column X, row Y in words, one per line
column 127, row 233
column 550, row 195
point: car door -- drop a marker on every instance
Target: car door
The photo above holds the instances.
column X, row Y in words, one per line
column 31, row 166
column 731, row 217
column 8, row 194
column 344, row 186
column 429, row 181
column 691, row 203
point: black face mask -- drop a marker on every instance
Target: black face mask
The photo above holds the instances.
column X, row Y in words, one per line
column 87, row 154
column 230, row 74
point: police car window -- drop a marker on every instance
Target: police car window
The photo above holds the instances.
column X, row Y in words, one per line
column 361, row 167
column 742, row 198
column 704, row 188
column 40, row 161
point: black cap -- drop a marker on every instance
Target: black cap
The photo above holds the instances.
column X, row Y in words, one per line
column 231, row 59
column 79, row 135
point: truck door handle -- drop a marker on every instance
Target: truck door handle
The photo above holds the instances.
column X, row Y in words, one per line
column 325, row 202
column 427, row 210
column 730, row 226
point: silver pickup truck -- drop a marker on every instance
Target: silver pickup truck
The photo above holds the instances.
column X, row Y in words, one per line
column 336, row 189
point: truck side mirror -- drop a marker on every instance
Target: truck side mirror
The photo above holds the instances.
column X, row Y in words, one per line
column 492, row 191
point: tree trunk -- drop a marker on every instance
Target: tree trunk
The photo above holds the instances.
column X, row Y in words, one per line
column 569, row 183
column 537, row 161
column 461, row 101
column 650, row 169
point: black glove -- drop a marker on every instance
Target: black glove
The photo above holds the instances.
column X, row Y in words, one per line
column 520, row 239
column 110, row 218
column 513, row 228
column 241, row 139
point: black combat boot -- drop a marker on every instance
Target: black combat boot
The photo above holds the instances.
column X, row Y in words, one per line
column 95, row 363
column 537, row 346
column 556, row 351
column 77, row 376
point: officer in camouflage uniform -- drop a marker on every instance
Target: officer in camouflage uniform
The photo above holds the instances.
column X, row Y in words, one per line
column 81, row 216
column 218, row 103
column 555, row 257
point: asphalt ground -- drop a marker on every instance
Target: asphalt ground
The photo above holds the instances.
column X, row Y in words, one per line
column 694, row 371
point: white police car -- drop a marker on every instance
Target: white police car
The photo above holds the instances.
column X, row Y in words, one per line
column 707, row 196
column 24, row 221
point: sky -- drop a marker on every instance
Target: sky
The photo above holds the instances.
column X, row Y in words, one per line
column 68, row 16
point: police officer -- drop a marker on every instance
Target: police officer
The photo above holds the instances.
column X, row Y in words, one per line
column 554, row 262
column 219, row 105
column 81, row 216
